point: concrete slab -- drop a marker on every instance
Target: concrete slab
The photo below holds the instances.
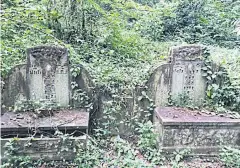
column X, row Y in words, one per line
column 17, row 124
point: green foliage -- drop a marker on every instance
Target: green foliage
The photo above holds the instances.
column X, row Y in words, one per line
column 97, row 37
column 147, row 137
column 148, row 143
column 220, row 92
column 120, row 152
column 178, row 157
column 18, row 161
column 90, row 156
column 126, row 154
column 35, row 106
column 147, row 2
column 229, row 59
column 14, row 160
column 22, row 26
column 230, row 157
column 81, row 99
column 180, row 100
column 118, row 42
column 72, row 22
column 208, row 22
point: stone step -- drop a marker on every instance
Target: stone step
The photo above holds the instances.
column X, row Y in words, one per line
column 202, row 133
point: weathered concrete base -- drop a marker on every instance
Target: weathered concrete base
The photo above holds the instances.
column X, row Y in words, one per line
column 45, row 148
column 36, row 135
column 203, row 134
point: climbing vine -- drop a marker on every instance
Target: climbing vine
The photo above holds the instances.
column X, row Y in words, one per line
column 221, row 94
column 14, row 160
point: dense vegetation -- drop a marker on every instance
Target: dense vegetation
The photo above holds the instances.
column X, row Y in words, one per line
column 115, row 38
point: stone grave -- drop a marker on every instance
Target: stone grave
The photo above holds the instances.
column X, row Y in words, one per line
column 201, row 132
column 42, row 90
column 180, row 128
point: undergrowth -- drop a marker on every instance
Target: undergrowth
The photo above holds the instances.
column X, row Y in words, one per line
column 104, row 152
column 230, row 157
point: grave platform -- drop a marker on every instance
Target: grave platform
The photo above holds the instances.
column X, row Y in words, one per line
column 203, row 133
column 35, row 136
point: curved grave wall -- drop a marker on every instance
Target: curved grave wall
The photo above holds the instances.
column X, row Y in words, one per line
column 181, row 75
column 46, row 77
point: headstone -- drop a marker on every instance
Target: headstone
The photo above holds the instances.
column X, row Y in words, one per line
column 181, row 75
column 45, row 78
column 48, row 74
column 186, row 72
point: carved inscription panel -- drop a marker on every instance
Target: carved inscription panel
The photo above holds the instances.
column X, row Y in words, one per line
column 187, row 78
column 178, row 76
column 188, row 52
column 201, row 137
column 62, row 88
column 48, row 74
column 49, row 148
column 36, row 82
column 186, row 72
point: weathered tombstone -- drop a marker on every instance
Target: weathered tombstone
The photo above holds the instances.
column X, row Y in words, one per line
column 44, row 79
column 181, row 75
column 48, row 74
column 180, row 128
column 186, row 72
